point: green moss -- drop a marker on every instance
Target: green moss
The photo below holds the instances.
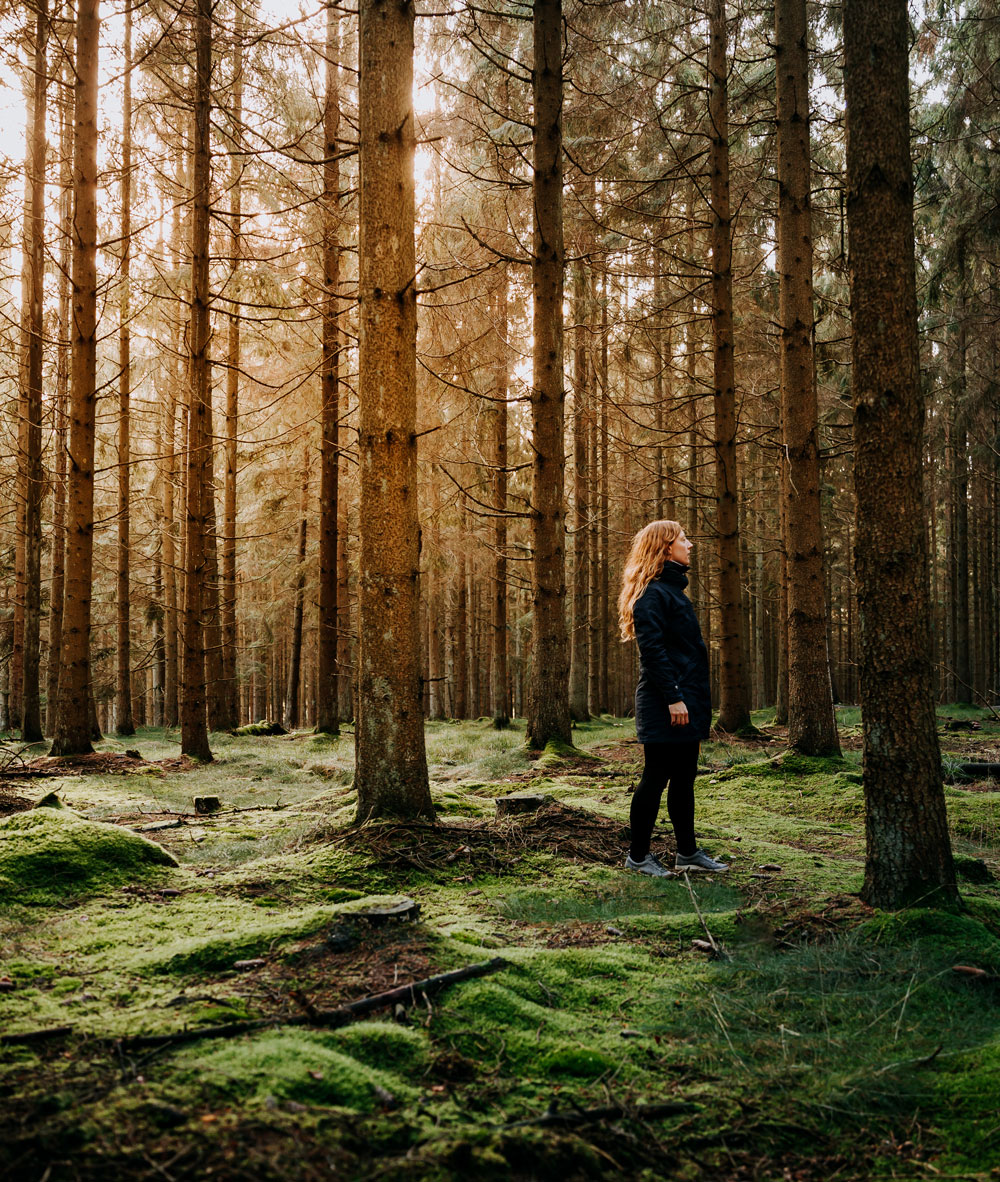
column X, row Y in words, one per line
column 385, row 1045
column 965, row 1092
column 47, row 852
column 575, row 1061
column 286, row 1065
column 66, row 985
column 557, row 753
column 259, row 730
column 945, row 938
column 634, row 896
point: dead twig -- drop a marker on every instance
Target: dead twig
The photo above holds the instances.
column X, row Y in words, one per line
column 717, row 949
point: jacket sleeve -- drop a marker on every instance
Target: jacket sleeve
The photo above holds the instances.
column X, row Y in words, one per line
column 650, row 615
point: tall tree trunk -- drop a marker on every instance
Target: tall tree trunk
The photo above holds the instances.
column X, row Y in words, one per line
column 909, row 859
column 391, row 764
column 604, row 510
column 734, row 692
column 580, row 635
column 960, row 492
column 501, row 378
column 211, row 615
column 73, row 729
column 781, row 696
column 327, row 704
column 193, row 706
column 57, row 586
column 169, row 550
column 228, row 697
column 292, row 709
column 812, row 729
column 347, row 673
column 32, row 473
column 462, row 613
column 124, row 724
column 548, row 696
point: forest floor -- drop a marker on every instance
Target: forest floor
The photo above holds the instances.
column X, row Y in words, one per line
column 761, row 1025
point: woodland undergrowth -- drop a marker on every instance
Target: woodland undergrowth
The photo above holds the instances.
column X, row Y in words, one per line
column 762, row 1025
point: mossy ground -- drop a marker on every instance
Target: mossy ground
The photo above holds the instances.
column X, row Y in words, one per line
column 833, row 1042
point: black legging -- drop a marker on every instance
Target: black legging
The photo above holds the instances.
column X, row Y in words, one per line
column 673, row 763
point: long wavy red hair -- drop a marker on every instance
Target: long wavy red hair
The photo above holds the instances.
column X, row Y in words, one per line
column 650, row 550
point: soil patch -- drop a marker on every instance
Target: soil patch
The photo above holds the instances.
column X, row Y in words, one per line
column 11, row 803
column 489, row 845
column 97, row 763
column 348, row 963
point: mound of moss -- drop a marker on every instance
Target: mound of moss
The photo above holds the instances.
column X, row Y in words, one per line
column 303, row 1066
column 945, row 937
column 47, row 852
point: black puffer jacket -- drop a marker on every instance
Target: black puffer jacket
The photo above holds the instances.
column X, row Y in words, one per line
column 673, row 661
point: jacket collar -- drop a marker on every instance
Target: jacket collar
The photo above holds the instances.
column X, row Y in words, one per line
column 674, row 574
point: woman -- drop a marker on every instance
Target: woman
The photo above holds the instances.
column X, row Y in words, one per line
column 673, row 706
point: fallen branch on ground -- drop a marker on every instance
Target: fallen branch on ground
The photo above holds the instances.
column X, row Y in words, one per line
column 30, row 1036
column 331, row 1019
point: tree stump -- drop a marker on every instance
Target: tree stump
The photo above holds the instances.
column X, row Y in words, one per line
column 521, row 802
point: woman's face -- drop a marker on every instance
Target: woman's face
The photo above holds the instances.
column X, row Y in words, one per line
column 680, row 550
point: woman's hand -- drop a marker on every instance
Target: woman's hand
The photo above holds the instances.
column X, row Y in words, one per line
column 678, row 714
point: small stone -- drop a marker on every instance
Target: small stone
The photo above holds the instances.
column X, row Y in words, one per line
column 207, row 804
column 613, row 931
column 170, row 893
column 770, row 866
column 247, row 965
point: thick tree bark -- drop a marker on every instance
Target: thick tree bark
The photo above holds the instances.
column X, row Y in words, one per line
column 124, row 724
column 548, row 695
column 327, row 704
column 812, row 729
column 909, row 859
column 73, row 727
column 193, row 706
column 734, row 690
column 32, row 475
column 391, row 765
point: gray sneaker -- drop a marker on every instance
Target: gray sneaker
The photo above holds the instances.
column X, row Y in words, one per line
column 699, row 860
column 651, row 864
